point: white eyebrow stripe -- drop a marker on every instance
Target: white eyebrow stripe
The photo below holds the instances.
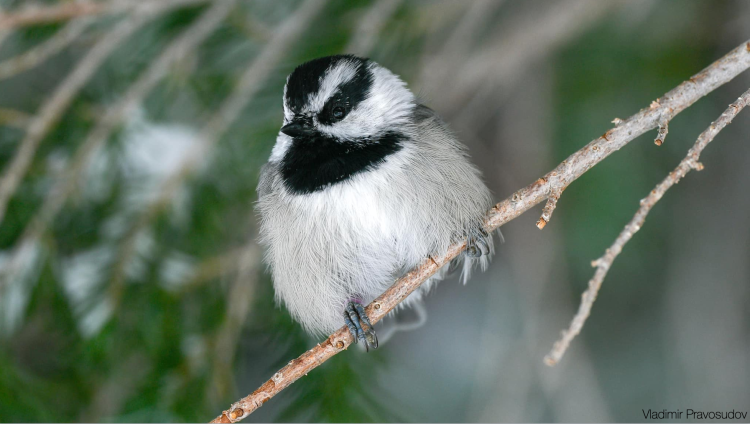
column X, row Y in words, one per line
column 388, row 104
column 288, row 115
column 341, row 73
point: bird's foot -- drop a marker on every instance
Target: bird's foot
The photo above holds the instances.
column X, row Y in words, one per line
column 476, row 244
column 359, row 325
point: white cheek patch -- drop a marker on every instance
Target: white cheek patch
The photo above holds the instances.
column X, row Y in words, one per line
column 279, row 149
column 288, row 115
column 389, row 105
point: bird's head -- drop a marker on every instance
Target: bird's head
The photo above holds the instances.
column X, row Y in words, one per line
column 342, row 115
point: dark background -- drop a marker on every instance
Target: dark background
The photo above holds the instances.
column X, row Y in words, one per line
column 123, row 311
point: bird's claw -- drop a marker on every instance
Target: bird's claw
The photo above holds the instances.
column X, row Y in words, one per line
column 476, row 244
column 359, row 325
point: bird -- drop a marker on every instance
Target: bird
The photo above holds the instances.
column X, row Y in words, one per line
column 363, row 183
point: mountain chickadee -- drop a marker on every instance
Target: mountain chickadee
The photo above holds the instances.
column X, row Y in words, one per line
column 362, row 185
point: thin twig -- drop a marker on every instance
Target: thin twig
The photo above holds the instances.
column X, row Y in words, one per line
column 554, row 196
column 661, row 134
column 159, row 68
column 42, row 52
column 522, row 200
column 604, row 263
column 665, row 114
column 249, row 84
column 35, row 15
column 663, row 128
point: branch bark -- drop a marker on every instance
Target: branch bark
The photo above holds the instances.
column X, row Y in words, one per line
column 519, row 202
column 605, row 262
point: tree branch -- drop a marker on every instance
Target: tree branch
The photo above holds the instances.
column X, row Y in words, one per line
column 522, row 200
column 605, row 262
column 657, row 115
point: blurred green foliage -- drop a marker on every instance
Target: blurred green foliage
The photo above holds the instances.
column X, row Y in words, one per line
column 157, row 353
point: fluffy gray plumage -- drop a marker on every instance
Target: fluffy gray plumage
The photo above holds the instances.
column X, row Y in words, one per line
column 351, row 239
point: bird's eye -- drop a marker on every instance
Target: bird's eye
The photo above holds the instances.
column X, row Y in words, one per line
column 338, row 112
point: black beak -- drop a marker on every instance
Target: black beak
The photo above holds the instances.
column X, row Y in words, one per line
column 297, row 129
